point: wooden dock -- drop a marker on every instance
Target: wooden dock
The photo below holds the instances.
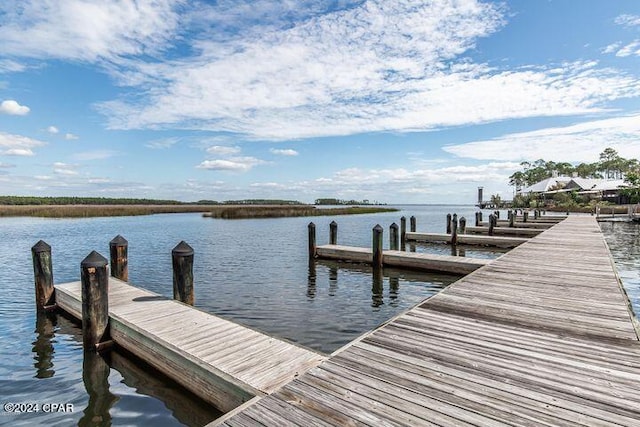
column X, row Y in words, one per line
column 224, row 363
column 506, row 231
column 542, row 336
column 467, row 239
column 412, row 260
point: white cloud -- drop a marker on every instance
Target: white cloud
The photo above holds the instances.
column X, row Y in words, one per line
column 582, row 142
column 223, row 150
column 53, row 129
column 70, row 136
column 86, row 30
column 60, row 168
column 162, row 144
column 17, row 145
column 353, row 71
column 284, row 152
column 629, row 49
column 9, row 66
column 237, row 164
column 12, row 107
column 628, row 20
column 94, row 155
column 6, row 165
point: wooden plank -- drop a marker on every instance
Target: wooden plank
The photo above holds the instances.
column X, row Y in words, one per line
column 467, row 239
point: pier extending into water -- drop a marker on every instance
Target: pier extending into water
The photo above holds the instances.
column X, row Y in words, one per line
column 541, row 336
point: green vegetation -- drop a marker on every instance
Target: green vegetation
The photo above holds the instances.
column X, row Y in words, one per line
column 26, row 200
column 610, row 166
column 242, row 212
column 85, row 211
column 329, row 201
column 632, row 180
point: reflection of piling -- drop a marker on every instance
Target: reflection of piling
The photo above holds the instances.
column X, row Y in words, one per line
column 182, row 257
column 393, row 237
column 377, row 246
column 311, row 279
column 95, row 300
column 312, row 240
column 43, row 346
column 377, row 287
column 95, row 376
column 403, row 233
column 118, row 248
column 333, row 233
column 43, row 275
column 448, row 223
column 412, row 224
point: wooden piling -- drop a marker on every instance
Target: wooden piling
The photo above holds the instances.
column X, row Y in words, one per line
column 377, row 246
column 448, row 223
column 454, row 229
column 403, row 233
column 118, row 248
column 492, row 220
column 463, row 225
column 412, row 221
column 312, row 240
column 525, row 216
column 512, row 219
column 182, row 256
column 393, row 237
column 333, row 233
column 95, row 300
column 43, row 275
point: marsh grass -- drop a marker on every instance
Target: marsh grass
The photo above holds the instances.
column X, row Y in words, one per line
column 215, row 211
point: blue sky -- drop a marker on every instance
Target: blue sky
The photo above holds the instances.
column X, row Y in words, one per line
column 400, row 101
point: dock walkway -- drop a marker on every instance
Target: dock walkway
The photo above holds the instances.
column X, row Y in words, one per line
column 541, row 336
column 224, row 363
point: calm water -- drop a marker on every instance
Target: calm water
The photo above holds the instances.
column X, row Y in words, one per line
column 254, row 272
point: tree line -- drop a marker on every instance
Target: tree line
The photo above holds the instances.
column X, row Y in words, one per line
column 610, row 166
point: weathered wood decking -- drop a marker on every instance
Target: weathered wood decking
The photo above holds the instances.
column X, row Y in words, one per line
column 416, row 261
column 541, row 336
column 220, row 361
column 467, row 239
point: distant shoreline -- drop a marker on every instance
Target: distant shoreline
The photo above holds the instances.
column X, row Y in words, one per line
column 218, row 211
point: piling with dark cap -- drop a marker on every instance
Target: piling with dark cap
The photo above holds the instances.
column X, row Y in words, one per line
column 43, row 274
column 412, row 224
column 377, row 246
column 491, row 222
column 463, row 225
column 118, row 248
column 454, row 229
column 95, row 300
column 448, row 223
column 312, row 240
column 393, row 237
column 333, row 233
column 525, row 216
column 182, row 256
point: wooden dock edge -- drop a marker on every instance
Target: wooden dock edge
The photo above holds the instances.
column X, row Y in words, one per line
column 213, row 386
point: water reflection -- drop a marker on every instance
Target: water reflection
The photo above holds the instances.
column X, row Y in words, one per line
column 377, row 279
column 333, row 280
column 43, row 345
column 394, row 286
column 95, row 376
column 311, row 279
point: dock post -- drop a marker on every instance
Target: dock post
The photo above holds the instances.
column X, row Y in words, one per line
column 333, row 233
column 403, row 233
column 497, row 214
column 377, row 246
column 525, row 216
column 95, row 300
column 43, row 274
column 448, row 223
column 182, row 257
column 118, row 248
column 412, row 224
column 454, row 229
column 512, row 218
column 312, row 240
column 491, row 222
column 463, row 225
column 393, row 237
column 479, row 218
